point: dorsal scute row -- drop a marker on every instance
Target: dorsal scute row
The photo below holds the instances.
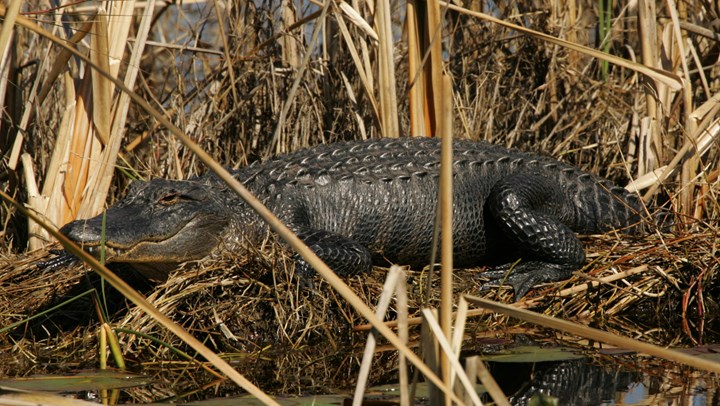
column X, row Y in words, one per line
column 403, row 159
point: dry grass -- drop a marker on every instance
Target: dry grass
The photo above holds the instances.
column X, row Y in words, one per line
column 251, row 310
column 258, row 86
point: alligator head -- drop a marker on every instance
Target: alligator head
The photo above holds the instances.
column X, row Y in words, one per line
column 158, row 223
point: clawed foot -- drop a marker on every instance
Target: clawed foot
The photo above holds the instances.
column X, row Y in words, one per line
column 526, row 275
column 61, row 260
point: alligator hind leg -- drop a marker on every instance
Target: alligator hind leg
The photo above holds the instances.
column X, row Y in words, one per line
column 343, row 255
column 529, row 210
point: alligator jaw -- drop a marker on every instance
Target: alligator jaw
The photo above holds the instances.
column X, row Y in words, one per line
column 180, row 246
column 137, row 253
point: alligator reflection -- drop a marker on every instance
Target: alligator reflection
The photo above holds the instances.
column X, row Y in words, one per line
column 573, row 382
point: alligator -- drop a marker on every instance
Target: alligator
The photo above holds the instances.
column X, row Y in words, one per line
column 360, row 203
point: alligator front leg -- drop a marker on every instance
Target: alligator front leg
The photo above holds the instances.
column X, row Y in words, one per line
column 529, row 211
column 343, row 255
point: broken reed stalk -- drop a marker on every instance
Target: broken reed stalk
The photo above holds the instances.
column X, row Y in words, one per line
column 386, row 71
column 433, row 67
column 101, row 87
column 459, row 327
column 390, row 286
column 450, row 356
column 87, row 183
column 430, row 353
column 118, row 28
column 416, row 78
column 6, row 34
column 650, row 141
column 493, row 389
column 404, row 334
column 697, row 144
column 364, row 74
column 290, row 99
column 37, row 236
column 7, row 28
column 456, row 345
column 446, row 210
column 688, row 174
column 226, row 49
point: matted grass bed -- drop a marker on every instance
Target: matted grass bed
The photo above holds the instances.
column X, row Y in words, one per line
column 296, row 338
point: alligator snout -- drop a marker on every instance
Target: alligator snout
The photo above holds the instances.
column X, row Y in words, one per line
column 160, row 221
column 82, row 232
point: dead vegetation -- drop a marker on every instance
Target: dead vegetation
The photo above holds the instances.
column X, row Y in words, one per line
column 273, row 79
column 296, row 341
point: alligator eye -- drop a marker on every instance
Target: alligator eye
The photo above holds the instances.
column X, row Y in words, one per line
column 169, row 200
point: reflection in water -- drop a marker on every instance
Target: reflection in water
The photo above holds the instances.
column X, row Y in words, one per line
column 580, row 382
column 574, row 382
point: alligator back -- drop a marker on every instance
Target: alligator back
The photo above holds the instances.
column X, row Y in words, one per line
column 383, row 193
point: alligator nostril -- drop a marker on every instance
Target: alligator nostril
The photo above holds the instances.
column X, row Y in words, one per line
column 80, row 232
column 68, row 230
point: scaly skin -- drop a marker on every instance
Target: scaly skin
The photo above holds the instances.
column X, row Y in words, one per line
column 365, row 202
